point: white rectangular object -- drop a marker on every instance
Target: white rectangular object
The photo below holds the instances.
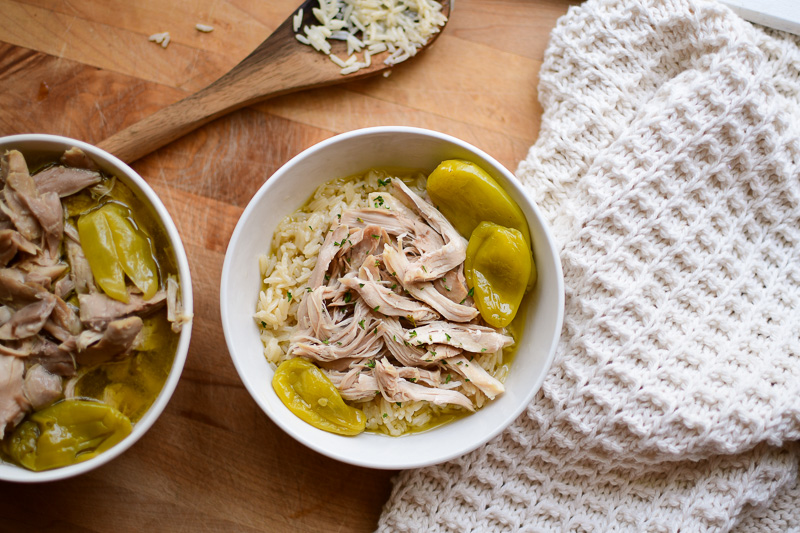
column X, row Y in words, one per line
column 779, row 14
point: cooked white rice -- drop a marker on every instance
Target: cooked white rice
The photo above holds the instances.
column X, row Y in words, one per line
column 370, row 27
column 286, row 270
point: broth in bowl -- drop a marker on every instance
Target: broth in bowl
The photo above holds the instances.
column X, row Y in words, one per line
column 92, row 310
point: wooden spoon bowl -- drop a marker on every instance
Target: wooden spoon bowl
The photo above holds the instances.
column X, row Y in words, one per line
column 280, row 65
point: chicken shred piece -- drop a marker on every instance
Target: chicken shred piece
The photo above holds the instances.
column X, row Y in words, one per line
column 424, row 290
column 396, row 389
column 468, row 337
column 381, row 298
column 434, row 264
column 475, row 374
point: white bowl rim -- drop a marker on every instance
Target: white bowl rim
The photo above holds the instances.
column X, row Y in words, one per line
column 19, row 474
column 457, row 450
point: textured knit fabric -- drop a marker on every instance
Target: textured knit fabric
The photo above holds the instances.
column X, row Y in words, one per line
column 668, row 166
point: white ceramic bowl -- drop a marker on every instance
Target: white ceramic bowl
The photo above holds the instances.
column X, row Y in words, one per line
column 284, row 193
column 54, row 145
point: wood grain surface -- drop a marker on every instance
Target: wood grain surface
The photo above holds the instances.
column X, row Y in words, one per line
column 85, row 69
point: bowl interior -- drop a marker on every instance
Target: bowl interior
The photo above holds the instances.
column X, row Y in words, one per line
column 49, row 148
column 284, row 193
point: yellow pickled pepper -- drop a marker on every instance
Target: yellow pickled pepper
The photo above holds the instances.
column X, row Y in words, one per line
column 467, row 195
column 114, row 247
column 308, row 393
column 133, row 250
column 98, row 246
column 497, row 268
column 67, row 432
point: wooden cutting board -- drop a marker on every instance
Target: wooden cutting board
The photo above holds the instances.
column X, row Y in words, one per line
column 85, row 69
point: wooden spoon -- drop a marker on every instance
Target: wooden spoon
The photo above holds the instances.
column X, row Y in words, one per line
column 279, row 65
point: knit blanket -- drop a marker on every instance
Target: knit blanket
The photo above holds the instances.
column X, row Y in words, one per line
column 668, row 166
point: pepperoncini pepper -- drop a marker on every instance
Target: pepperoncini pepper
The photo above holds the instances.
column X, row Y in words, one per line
column 497, row 268
column 114, row 247
column 311, row 396
column 467, row 195
column 101, row 253
column 66, row 433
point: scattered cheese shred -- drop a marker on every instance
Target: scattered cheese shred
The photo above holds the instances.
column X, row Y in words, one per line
column 297, row 20
column 205, row 28
column 160, row 38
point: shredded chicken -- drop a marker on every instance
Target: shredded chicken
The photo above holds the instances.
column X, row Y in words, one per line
column 387, row 310
column 41, row 388
column 12, row 242
column 423, row 237
column 383, row 299
column 117, row 340
column 176, row 313
column 65, row 181
column 354, row 385
column 98, row 310
column 435, row 264
column 43, row 338
column 29, row 320
column 468, row 337
column 474, row 373
column 424, row 290
column 13, row 404
column 396, row 389
column 334, row 240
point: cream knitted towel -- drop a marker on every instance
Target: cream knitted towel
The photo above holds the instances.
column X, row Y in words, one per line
column 668, row 165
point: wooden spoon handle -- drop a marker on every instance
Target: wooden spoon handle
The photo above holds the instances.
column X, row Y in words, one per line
column 162, row 127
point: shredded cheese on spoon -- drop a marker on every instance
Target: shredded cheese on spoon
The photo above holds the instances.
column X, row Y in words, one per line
column 370, row 27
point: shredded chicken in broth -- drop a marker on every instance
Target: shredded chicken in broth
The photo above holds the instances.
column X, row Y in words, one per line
column 86, row 343
column 367, row 282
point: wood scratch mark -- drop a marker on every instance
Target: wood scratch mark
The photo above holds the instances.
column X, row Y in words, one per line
column 67, row 30
column 100, row 111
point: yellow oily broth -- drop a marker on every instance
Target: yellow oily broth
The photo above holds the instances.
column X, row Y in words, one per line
column 133, row 383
